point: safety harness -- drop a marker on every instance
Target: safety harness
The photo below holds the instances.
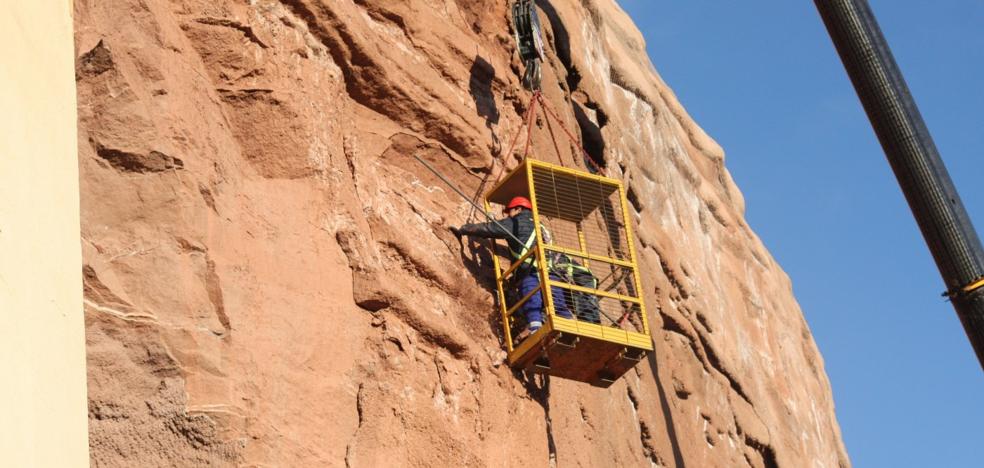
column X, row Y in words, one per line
column 527, row 245
column 585, row 306
column 569, row 270
column 557, row 263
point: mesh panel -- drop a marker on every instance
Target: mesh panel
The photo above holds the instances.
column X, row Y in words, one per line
column 602, row 310
column 594, row 274
column 586, row 243
column 621, row 314
column 581, row 214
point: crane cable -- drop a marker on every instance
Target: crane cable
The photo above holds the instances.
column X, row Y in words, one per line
column 465, row 197
column 530, row 117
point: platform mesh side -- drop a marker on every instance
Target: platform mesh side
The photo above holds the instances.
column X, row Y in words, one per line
column 585, row 228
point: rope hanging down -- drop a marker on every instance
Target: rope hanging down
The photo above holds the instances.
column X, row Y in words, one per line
column 530, row 118
column 527, row 32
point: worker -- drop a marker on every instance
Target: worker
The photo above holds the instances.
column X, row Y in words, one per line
column 519, row 226
column 585, row 305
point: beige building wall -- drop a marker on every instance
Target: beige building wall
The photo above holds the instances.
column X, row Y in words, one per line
column 43, row 416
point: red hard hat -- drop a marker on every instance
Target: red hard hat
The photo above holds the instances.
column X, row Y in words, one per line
column 519, row 201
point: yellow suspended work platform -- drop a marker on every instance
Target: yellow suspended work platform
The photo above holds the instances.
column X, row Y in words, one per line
column 585, row 240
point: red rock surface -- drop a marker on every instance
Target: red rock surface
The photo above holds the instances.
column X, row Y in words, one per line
column 269, row 280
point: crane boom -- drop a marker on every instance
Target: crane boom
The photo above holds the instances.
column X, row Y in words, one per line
column 910, row 150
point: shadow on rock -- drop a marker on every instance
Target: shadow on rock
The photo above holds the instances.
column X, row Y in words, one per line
column 477, row 258
column 667, row 414
column 540, row 393
column 592, row 139
column 480, row 88
column 561, row 42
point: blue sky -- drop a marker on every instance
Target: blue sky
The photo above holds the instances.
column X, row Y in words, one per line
column 764, row 80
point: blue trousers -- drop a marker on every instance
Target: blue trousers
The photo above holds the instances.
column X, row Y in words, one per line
column 534, row 307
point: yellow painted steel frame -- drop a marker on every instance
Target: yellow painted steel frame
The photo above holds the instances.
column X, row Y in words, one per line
column 552, row 322
column 587, row 256
column 548, row 304
column 643, row 339
column 500, row 279
column 575, row 173
column 596, row 292
column 498, row 286
column 632, row 256
column 582, row 242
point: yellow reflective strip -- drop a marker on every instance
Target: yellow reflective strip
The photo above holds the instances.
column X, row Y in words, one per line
column 974, row 286
column 600, row 258
column 526, row 246
column 595, row 292
column 519, row 261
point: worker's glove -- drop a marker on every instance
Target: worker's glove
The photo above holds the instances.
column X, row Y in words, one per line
column 456, row 231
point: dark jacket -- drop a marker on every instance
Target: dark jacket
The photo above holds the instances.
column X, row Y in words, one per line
column 521, row 227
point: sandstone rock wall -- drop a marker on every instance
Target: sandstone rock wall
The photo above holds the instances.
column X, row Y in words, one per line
column 269, row 280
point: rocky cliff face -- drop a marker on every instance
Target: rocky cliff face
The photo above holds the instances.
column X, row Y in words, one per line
column 269, row 280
